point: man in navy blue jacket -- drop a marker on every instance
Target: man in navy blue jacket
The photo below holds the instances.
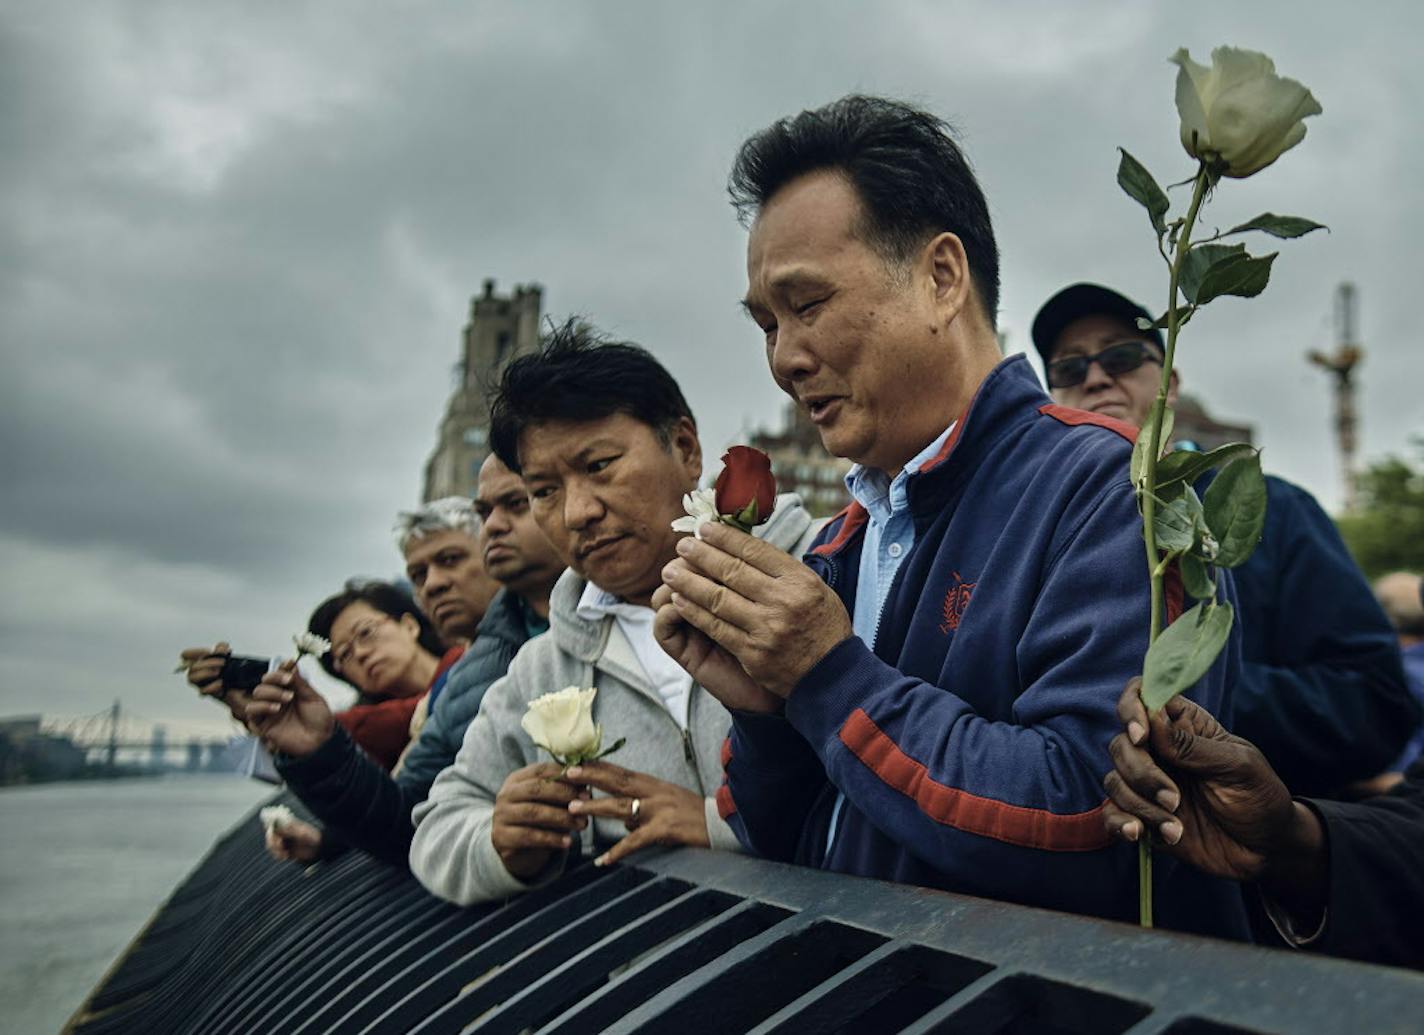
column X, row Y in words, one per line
column 930, row 701
column 1322, row 689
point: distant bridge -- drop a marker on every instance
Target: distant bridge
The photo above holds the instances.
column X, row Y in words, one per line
column 114, row 731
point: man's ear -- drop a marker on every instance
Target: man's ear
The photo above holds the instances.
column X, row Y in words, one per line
column 948, row 268
column 1173, row 385
column 687, row 448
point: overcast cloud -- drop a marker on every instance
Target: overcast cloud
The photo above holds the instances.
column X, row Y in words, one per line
column 238, row 243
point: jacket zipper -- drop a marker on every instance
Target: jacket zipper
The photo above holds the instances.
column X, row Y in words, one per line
column 838, row 814
column 687, row 750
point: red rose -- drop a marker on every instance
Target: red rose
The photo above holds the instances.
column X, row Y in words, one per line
column 746, row 489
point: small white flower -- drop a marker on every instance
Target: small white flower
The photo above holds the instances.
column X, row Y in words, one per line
column 311, row 643
column 701, row 507
column 274, row 817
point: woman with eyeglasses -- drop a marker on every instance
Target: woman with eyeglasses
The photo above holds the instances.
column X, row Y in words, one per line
column 381, row 644
column 384, row 647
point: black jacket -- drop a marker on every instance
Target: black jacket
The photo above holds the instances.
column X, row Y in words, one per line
column 1375, row 911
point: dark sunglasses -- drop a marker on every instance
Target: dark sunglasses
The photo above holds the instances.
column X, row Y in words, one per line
column 1115, row 361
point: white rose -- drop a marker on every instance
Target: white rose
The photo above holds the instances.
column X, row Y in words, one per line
column 701, row 507
column 1239, row 113
column 562, row 724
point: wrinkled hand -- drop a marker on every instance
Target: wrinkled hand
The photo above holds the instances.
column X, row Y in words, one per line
column 205, row 665
column 294, row 841
column 1212, row 796
column 762, row 606
column 288, row 714
column 711, row 666
column 667, row 814
column 532, row 819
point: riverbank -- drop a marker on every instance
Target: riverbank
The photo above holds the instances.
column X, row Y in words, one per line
column 83, row 865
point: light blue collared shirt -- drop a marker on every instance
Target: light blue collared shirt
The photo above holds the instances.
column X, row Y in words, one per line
column 889, row 537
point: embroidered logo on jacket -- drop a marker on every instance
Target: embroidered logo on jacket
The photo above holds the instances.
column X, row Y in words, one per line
column 955, row 601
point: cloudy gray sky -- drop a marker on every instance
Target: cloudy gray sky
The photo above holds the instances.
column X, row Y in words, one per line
column 237, row 245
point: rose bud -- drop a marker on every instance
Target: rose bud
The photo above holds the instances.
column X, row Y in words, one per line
column 746, row 489
column 1238, row 115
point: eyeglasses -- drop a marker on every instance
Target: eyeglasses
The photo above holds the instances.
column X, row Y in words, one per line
column 1115, row 360
column 342, row 654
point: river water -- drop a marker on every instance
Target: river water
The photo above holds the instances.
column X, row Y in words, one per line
column 82, row 868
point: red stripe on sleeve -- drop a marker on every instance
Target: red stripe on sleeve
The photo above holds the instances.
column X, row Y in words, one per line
column 1068, row 415
column 725, row 805
column 726, row 752
column 1013, row 824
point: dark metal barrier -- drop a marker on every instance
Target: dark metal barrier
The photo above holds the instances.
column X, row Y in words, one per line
column 691, row 941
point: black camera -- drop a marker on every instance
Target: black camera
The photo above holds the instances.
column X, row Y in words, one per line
column 243, row 673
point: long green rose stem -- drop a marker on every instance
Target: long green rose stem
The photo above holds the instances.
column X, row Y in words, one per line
column 1153, row 431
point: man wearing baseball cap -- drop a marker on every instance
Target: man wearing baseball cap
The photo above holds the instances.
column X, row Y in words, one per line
column 1322, row 688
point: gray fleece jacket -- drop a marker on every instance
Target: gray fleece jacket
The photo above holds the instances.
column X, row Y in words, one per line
column 452, row 854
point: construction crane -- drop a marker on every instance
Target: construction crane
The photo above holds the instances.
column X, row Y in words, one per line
column 1341, row 367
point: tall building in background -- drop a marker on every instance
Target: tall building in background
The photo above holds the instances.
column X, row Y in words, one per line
column 501, row 327
column 802, row 465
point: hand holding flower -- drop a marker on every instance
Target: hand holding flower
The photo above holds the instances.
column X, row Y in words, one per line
column 764, row 609
column 293, row 840
column 654, row 811
column 532, row 821
column 714, row 667
column 288, row 714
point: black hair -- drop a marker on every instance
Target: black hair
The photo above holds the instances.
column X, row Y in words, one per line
column 912, row 179
column 579, row 375
column 384, row 597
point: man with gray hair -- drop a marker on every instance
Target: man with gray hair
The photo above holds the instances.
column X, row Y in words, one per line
column 440, row 543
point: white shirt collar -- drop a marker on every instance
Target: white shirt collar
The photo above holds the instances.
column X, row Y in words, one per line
column 596, row 604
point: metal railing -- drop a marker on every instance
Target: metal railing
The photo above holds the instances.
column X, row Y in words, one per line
column 691, row 941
